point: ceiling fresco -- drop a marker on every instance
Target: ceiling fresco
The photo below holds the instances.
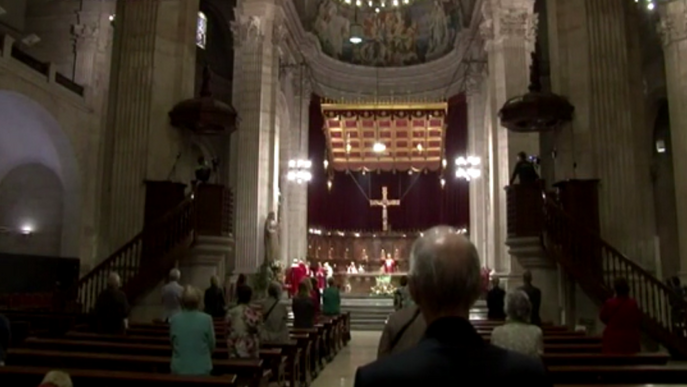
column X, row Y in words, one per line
column 408, row 34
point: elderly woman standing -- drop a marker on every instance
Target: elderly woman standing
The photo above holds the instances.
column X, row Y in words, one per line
column 244, row 324
column 517, row 334
column 112, row 308
column 275, row 316
column 192, row 334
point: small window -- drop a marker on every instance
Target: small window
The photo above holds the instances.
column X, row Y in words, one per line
column 202, row 30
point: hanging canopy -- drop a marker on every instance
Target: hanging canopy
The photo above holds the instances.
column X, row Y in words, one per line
column 413, row 135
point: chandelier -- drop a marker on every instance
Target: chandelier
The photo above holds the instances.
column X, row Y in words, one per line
column 299, row 171
column 377, row 5
column 649, row 4
column 468, row 168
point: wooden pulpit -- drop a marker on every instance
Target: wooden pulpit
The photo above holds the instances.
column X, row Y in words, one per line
column 525, row 210
column 213, row 210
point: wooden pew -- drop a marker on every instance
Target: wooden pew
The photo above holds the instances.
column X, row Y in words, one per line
column 603, row 359
column 249, row 372
column 650, row 374
column 572, row 348
column 20, row 376
column 273, row 356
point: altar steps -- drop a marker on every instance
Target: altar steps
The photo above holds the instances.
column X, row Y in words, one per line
column 370, row 313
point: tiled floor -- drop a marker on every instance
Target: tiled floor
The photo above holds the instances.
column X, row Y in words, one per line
column 362, row 349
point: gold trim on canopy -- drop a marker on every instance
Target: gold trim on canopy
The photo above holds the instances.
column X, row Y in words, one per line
column 413, row 133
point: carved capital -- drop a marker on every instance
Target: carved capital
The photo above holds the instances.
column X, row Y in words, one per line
column 247, row 30
column 84, row 34
column 508, row 22
column 673, row 24
column 279, row 34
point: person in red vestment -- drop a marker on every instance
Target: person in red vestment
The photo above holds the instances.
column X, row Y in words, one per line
column 622, row 318
column 296, row 275
column 321, row 277
column 389, row 265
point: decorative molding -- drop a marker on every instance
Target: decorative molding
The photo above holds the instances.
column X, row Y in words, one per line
column 85, row 33
column 503, row 22
column 673, row 24
column 436, row 79
column 247, row 30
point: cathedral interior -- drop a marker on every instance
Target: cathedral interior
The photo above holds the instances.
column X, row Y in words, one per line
column 139, row 136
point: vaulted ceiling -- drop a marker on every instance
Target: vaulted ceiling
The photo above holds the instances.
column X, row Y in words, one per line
column 394, row 32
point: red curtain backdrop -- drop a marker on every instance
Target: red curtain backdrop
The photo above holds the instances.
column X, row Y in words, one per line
column 424, row 203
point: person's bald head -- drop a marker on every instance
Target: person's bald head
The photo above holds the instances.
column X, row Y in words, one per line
column 445, row 273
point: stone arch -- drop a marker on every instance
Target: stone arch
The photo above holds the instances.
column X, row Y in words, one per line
column 29, row 134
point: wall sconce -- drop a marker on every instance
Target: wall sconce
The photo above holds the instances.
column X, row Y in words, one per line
column 26, row 230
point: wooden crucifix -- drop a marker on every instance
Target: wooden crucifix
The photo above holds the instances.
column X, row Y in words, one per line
column 384, row 203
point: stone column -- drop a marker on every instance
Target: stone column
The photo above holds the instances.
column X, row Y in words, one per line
column 153, row 69
column 509, row 30
column 298, row 194
column 674, row 32
column 595, row 63
column 255, row 74
column 478, row 145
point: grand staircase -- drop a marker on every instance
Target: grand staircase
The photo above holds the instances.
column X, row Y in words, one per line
column 594, row 265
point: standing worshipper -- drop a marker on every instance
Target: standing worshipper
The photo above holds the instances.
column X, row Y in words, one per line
column 623, row 321
column 111, row 308
column 495, row 301
column 534, row 295
column 402, row 297
column 275, row 317
column 5, row 338
column 517, row 334
column 171, row 295
column 445, row 282
column 316, row 296
column 303, row 306
column 244, row 324
column 331, row 299
column 214, row 299
column 192, row 334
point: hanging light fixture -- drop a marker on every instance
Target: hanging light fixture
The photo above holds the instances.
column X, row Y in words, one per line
column 468, row 168
column 299, row 171
column 378, row 147
column 356, row 29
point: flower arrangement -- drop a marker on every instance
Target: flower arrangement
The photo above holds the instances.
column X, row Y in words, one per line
column 383, row 286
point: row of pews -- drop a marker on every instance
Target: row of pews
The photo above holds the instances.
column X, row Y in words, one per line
column 142, row 357
column 573, row 358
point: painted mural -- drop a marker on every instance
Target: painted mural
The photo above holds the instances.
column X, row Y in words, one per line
column 420, row 32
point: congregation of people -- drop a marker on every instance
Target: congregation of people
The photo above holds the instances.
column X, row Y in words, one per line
column 428, row 338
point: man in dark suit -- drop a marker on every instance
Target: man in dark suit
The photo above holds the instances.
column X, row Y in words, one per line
column 495, row 301
column 534, row 294
column 445, row 282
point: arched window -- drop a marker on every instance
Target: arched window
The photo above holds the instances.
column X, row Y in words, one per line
column 202, row 30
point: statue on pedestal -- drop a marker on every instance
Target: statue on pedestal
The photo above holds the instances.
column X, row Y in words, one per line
column 271, row 238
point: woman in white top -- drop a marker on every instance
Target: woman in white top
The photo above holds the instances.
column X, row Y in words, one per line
column 517, row 334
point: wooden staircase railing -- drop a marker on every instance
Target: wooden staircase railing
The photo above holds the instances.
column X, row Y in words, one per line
column 594, row 265
column 145, row 260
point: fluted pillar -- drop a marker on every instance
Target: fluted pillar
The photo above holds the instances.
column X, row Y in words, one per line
column 478, row 145
column 255, row 82
column 509, row 30
column 298, row 195
column 595, row 62
column 152, row 69
column 673, row 29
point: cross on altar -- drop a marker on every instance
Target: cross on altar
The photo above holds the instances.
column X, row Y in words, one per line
column 384, row 203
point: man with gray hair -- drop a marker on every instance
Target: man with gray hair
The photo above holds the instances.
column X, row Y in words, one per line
column 445, row 282
column 171, row 295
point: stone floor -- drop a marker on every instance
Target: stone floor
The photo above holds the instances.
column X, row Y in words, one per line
column 362, row 349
